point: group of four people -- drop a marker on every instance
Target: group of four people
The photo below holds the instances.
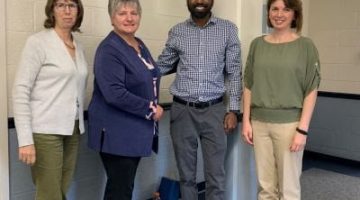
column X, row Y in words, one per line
column 280, row 88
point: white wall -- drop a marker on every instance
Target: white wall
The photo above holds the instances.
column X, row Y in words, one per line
column 251, row 24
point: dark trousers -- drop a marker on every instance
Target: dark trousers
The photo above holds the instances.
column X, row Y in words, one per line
column 120, row 171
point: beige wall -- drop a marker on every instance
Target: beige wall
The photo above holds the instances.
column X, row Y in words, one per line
column 158, row 17
column 334, row 25
column 337, row 39
column 4, row 159
column 250, row 24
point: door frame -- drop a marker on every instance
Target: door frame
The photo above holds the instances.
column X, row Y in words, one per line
column 4, row 131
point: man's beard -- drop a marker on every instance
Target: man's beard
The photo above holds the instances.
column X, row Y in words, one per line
column 200, row 14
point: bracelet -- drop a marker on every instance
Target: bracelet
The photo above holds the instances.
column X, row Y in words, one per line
column 301, row 131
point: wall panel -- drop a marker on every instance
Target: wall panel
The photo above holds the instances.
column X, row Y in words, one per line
column 334, row 27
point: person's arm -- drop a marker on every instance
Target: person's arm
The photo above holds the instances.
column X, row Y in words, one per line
column 311, row 83
column 299, row 140
column 169, row 58
column 29, row 67
column 247, row 132
column 246, row 124
column 233, row 73
column 233, row 68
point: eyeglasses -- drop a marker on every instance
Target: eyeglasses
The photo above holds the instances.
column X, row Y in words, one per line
column 63, row 6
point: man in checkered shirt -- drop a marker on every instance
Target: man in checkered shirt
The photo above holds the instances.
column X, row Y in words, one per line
column 205, row 53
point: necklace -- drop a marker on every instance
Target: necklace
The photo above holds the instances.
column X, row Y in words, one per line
column 62, row 37
column 69, row 46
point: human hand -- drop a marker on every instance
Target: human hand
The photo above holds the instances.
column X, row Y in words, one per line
column 27, row 154
column 298, row 143
column 247, row 132
column 230, row 122
column 158, row 114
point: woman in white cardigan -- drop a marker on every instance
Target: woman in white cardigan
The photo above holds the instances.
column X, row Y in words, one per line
column 48, row 99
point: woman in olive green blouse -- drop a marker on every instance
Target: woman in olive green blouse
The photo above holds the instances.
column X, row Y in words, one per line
column 281, row 80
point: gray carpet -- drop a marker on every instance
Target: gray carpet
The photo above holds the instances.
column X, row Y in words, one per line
column 318, row 184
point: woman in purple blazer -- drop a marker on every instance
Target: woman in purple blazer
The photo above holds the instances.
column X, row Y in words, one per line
column 123, row 111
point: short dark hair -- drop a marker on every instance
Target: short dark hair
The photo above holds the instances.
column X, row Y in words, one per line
column 296, row 6
column 50, row 19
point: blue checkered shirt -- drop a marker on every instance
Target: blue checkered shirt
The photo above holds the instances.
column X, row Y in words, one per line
column 206, row 56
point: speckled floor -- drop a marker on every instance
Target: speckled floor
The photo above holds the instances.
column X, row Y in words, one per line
column 329, row 178
column 326, row 178
column 319, row 184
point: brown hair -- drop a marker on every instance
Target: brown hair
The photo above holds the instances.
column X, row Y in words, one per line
column 50, row 19
column 296, row 6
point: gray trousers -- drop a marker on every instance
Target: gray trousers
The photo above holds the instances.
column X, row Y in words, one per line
column 187, row 125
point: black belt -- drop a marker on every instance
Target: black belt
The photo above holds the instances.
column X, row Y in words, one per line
column 198, row 104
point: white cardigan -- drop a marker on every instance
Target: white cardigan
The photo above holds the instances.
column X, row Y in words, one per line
column 47, row 87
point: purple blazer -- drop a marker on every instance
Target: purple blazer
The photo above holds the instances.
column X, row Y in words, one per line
column 123, row 89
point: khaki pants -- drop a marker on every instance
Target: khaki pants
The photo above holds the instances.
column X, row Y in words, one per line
column 278, row 169
column 56, row 157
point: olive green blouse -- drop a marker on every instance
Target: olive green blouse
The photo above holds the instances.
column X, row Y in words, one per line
column 279, row 77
